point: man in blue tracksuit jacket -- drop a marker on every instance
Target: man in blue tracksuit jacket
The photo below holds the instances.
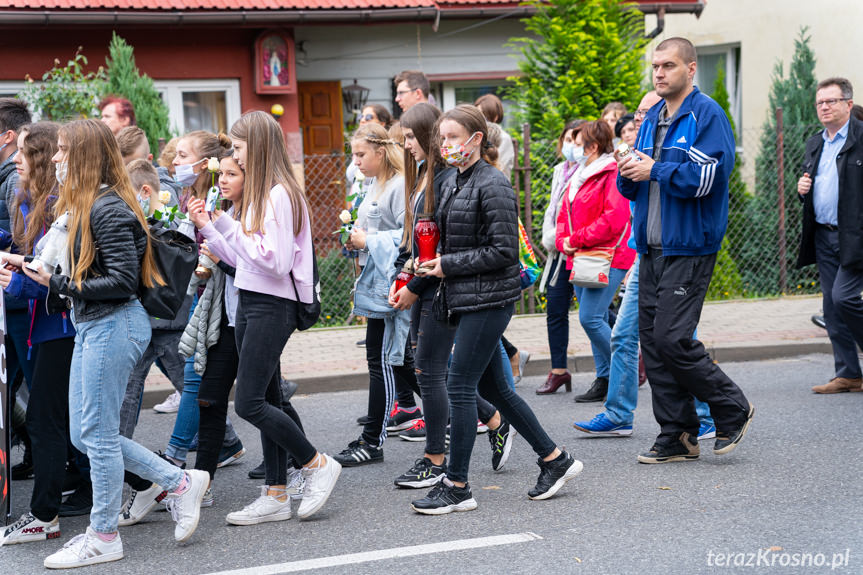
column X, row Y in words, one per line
column 678, row 177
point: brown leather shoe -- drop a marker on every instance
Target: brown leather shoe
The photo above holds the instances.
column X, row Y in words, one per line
column 553, row 383
column 840, row 385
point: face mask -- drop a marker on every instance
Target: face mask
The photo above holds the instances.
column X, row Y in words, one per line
column 457, row 156
column 419, row 164
column 185, row 175
column 61, row 170
column 576, row 154
column 567, row 151
column 145, row 204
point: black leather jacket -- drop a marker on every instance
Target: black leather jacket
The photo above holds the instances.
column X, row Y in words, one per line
column 112, row 279
column 479, row 240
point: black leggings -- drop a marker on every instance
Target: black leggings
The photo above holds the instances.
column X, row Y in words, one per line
column 48, row 425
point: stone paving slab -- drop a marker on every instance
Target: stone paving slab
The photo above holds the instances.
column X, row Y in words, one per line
column 328, row 359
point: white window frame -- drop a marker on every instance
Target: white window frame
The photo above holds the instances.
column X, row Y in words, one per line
column 172, row 93
column 729, row 52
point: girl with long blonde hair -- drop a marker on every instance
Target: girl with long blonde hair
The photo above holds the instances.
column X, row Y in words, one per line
column 109, row 256
column 378, row 232
column 271, row 242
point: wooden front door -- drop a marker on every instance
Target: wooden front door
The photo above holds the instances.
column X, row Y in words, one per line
column 324, row 162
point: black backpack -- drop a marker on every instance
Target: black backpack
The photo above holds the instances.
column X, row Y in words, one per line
column 176, row 257
column 309, row 313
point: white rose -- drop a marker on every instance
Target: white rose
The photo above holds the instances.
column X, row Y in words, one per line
column 213, row 164
column 345, row 216
column 164, row 196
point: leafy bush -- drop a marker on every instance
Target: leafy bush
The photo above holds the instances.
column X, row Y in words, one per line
column 65, row 92
column 337, row 273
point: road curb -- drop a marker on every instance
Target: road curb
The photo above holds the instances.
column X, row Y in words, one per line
column 540, row 365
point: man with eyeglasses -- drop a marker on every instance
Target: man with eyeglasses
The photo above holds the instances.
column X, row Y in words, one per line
column 831, row 190
column 412, row 87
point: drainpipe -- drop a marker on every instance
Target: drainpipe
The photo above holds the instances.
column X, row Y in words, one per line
column 660, row 24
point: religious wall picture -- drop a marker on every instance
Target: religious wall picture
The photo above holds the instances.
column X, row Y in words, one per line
column 274, row 63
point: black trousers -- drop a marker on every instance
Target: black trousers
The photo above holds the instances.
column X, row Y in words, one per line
column 264, row 324
column 48, row 425
column 843, row 306
column 670, row 297
column 384, row 379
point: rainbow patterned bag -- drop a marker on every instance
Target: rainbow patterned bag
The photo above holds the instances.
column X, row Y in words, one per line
column 530, row 270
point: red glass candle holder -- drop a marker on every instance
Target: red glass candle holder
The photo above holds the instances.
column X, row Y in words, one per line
column 426, row 236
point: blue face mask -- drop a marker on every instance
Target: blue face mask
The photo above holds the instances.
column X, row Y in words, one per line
column 567, row 151
column 185, row 175
column 145, row 204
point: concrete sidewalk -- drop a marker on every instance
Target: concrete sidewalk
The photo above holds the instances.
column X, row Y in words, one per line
column 328, row 359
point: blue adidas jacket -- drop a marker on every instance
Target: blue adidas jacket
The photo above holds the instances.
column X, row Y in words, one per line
column 693, row 170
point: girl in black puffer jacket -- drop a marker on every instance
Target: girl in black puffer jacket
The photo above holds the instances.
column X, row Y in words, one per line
column 478, row 220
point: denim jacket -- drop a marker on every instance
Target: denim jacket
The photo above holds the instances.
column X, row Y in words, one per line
column 372, row 289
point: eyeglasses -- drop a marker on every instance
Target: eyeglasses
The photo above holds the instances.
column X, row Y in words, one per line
column 830, row 102
column 641, row 113
column 367, row 117
column 400, row 93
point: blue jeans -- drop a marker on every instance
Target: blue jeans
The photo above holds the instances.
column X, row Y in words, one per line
column 622, row 398
column 558, row 302
column 18, row 355
column 507, row 367
column 106, row 350
column 593, row 314
column 188, row 414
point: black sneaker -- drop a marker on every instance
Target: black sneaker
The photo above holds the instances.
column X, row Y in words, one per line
column 79, row 503
column 71, row 481
column 554, row 474
column 258, row 472
column 402, row 419
column 685, row 449
column 289, row 388
column 23, row 470
column 445, row 498
column 416, row 432
column 597, row 392
column 726, row 442
column 364, row 420
column 359, row 452
column 424, row 473
column 501, row 442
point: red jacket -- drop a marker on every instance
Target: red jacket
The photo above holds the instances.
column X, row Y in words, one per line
column 599, row 216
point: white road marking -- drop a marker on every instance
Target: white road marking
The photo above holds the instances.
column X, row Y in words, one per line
column 394, row 553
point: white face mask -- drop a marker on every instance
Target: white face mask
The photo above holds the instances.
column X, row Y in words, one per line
column 578, row 156
column 61, row 171
column 185, row 175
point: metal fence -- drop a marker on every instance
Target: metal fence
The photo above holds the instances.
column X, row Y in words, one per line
column 757, row 258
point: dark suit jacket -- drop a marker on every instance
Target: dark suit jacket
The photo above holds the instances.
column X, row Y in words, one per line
column 849, row 163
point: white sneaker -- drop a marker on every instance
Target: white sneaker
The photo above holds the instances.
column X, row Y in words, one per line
column 28, row 529
column 185, row 508
column 140, row 503
column 320, row 482
column 296, row 483
column 85, row 549
column 263, row 509
column 170, row 405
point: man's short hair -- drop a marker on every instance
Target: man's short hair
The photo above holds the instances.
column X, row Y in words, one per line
column 844, row 86
column 684, row 48
column 13, row 114
column 142, row 172
column 130, row 139
column 416, row 81
column 123, row 106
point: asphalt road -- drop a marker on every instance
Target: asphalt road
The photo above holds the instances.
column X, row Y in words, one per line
column 792, row 488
